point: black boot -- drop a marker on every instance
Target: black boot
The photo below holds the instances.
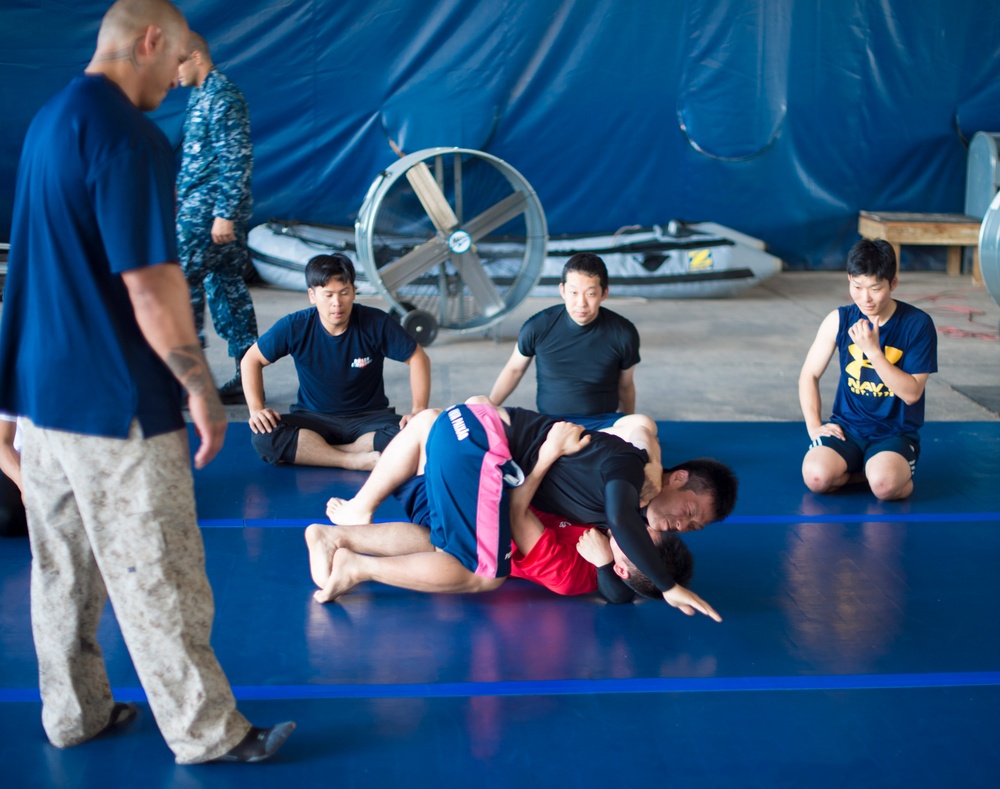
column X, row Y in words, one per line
column 231, row 392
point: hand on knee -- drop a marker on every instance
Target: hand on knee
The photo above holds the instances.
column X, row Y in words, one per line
column 423, row 420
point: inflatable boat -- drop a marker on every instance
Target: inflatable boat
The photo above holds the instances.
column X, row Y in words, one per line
column 673, row 261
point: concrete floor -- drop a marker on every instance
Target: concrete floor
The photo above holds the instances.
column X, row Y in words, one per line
column 735, row 359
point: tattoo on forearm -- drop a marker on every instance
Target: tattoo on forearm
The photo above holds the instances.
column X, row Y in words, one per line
column 188, row 365
column 197, row 382
column 216, row 411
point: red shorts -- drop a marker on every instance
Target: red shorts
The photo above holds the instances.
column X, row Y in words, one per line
column 554, row 561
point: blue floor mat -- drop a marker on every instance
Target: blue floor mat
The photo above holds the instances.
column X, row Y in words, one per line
column 860, row 645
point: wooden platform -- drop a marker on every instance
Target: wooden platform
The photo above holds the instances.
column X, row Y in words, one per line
column 949, row 230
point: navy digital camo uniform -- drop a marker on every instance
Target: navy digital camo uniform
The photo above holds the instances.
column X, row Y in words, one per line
column 214, row 181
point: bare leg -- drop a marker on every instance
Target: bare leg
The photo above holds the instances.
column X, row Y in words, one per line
column 889, row 476
column 625, row 426
column 641, row 431
column 403, row 458
column 435, row 571
column 824, row 470
column 525, row 531
column 484, row 400
column 377, row 539
column 312, row 450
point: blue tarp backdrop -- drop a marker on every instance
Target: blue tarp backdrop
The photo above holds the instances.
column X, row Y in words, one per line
column 779, row 118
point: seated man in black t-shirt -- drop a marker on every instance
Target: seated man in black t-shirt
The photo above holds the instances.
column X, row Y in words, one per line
column 601, row 485
column 586, row 354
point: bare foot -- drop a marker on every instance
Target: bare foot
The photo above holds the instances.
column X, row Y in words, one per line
column 322, row 546
column 347, row 512
column 342, row 578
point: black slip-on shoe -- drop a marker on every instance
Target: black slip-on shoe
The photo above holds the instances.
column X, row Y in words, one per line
column 259, row 744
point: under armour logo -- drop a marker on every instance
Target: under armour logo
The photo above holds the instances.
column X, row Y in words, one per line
column 854, row 368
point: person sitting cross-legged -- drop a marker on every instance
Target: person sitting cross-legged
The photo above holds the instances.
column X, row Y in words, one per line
column 342, row 417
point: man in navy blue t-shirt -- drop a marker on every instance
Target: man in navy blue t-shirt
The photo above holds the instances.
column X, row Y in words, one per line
column 886, row 349
column 342, row 417
column 96, row 340
column 586, row 354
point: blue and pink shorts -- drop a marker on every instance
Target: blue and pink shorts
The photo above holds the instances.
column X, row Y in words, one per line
column 466, row 477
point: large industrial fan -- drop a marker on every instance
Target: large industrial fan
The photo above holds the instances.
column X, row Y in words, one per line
column 452, row 238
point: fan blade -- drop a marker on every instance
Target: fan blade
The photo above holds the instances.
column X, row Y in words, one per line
column 470, row 269
column 458, row 186
column 496, row 215
column 414, row 263
column 432, row 198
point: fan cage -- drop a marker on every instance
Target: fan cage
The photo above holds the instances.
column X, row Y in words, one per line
column 392, row 222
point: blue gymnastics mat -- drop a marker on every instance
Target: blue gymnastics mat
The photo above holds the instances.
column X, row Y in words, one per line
column 860, row 645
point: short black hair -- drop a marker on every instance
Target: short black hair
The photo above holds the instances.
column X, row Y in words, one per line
column 872, row 258
column 197, row 43
column 589, row 264
column 676, row 557
column 322, row 268
column 707, row 475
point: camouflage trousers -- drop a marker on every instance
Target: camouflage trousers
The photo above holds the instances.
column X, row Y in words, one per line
column 214, row 275
column 115, row 518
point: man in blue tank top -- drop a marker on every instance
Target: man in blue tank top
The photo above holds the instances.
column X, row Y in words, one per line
column 342, row 416
column 886, row 350
column 586, row 354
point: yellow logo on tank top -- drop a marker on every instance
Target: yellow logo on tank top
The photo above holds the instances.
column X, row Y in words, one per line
column 854, row 368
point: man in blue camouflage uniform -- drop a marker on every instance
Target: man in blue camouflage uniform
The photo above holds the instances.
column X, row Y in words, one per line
column 214, row 204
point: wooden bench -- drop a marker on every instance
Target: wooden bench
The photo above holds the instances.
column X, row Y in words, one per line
column 948, row 230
